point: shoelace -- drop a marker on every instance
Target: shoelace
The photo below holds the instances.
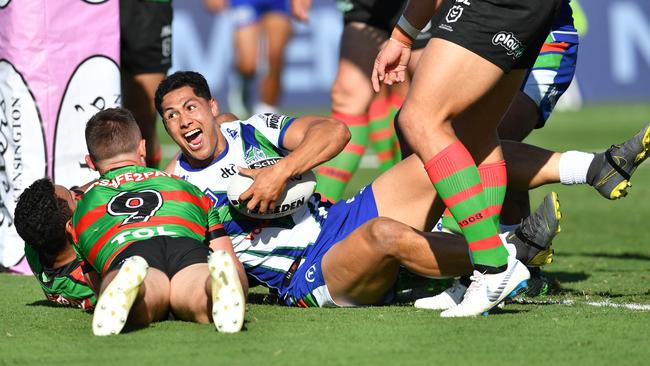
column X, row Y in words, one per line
column 477, row 280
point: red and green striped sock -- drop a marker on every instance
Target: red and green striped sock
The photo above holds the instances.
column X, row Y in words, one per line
column 395, row 101
column 494, row 180
column 457, row 181
column 382, row 133
column 333, row 176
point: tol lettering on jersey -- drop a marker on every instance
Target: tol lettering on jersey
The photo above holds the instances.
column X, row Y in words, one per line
column 142, row 233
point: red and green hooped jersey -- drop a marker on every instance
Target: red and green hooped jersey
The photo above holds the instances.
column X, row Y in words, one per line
column 65, row 285
column 136, row 203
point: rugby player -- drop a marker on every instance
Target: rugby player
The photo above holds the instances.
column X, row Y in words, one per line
column 532, row 105
column 148, row 236
column 254, row 19
column 145, row 57
column 464, row 83
column 366, row 26
column 345, row 254
column 41, row 213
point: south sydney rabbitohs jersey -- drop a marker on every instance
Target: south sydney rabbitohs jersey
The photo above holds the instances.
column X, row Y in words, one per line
column 134, row 203
column 65, row 285
column 267, row 248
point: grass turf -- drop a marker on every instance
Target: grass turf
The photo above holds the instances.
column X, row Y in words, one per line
column 602, row 254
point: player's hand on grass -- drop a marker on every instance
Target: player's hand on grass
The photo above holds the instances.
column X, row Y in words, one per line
column 390, row 64
column 268, row 185
column 300, row 9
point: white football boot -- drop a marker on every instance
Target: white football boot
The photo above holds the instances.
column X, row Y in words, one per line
column 488, row 290
column 115, row 302
column 444, row 300
column 454, row 294
column 228, row 302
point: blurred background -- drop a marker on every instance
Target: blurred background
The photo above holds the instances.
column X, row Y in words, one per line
column 613, row 64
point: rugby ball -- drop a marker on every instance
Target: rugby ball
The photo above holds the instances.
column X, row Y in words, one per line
column 297, row 192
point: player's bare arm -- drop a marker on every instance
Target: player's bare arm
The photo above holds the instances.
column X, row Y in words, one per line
column 312, row 140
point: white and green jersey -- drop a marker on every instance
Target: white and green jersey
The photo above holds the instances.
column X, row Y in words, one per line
column 267, row 248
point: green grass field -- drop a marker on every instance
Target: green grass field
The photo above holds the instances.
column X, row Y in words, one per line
column 602, row 257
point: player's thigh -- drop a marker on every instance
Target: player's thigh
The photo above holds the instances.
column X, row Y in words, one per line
column 352, row 91
column 188, row 296
column 246, row 47
column 520, row 119
column 405, row 193
column 360, row 44
column 448, row 79
column 359, row 269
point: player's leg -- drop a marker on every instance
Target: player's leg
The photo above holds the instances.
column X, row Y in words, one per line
column 451, row 168
column 381, row 131
column 145, row 59
column 138, row 92
column 546, row 82
column 351, row 96
column 362, row 268
column 204, row 287
column 246, row 49
column 277, row 28
column 133, row 294
column 518, row 122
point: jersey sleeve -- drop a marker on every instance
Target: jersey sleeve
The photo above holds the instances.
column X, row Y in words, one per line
column 272, row 126
column 215, row 225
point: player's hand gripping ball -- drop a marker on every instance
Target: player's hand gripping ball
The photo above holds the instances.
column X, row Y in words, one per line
column 297, row 192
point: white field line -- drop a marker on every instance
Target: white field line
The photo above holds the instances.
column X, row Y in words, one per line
column 600, row 304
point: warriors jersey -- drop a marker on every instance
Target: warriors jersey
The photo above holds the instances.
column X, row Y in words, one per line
column 135, row 203
column 65, row 285
column 267, row 248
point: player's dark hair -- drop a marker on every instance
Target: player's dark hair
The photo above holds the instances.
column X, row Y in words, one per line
column 111, row 132
column 178, row 80
column 40, row 218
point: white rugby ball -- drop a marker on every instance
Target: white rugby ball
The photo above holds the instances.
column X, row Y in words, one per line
column 297, row 192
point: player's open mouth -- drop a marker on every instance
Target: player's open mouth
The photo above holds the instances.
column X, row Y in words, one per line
column 194, row 138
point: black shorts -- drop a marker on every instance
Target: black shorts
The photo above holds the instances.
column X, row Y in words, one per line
column 381, row 14
column 170, row 255
column 508, row 33
column 145, row 36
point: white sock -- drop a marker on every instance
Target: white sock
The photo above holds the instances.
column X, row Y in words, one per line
column 262, row 107
column 574, row 166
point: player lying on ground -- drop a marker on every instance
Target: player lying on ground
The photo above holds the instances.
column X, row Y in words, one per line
column 49, row 249
column 40, row 216
column 453, row 130
column 144, row 233
column 343, row 254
